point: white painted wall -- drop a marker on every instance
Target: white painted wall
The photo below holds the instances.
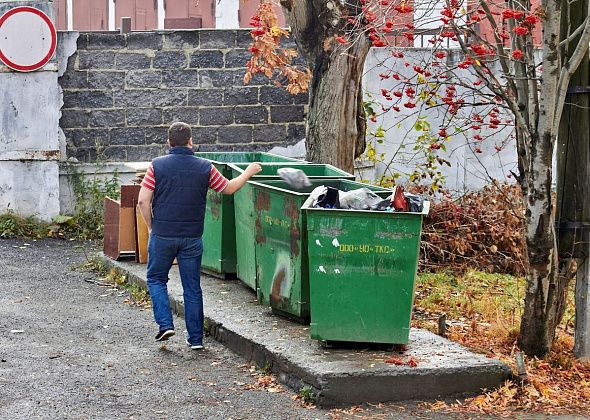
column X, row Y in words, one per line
column 70, row 14
column 111, row 8
column 469, row 170
column 226, row 14
column 161, row 14
column 123, row 171
column 29, row 141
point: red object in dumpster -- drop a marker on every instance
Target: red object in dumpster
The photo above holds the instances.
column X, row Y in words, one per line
column 398, row 201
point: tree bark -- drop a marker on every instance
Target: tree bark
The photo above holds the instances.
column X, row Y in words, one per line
column 336, row 122
column 545, row 287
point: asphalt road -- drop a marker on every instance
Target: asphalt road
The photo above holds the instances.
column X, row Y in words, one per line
column 73, row 349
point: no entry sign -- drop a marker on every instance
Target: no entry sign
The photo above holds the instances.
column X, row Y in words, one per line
column 27, row 38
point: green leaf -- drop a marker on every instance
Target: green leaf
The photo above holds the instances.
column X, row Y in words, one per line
column 63, row 220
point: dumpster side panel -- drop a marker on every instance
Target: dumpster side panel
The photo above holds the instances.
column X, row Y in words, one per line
column 362, row 268
column 245, row 212
column 245, row 233
column 281, row 254
column 281, row 244
column 219, row 245
column 212, row 242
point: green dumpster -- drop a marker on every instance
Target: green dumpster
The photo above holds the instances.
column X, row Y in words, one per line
column 362, row 271
column 246, row 212
column 219, row 238
column 281, row 243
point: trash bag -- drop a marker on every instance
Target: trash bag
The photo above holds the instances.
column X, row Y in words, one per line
column 361, row 199
column 384, row 205
column 414, row 202
column 295, row 178
column 316, row 193
column 329, row 199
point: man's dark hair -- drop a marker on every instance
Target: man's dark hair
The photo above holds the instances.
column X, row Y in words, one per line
column 179, row 134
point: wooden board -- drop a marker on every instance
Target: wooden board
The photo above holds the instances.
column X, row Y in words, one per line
column 141, row 253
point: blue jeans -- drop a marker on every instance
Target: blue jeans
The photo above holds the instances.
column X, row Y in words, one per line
column 161, row 254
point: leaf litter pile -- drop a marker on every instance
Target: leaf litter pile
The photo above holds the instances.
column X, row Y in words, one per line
column 480, row 230
column 483, row 313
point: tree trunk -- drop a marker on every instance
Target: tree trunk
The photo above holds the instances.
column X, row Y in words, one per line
column 336, row 122
column 539, row 319
column 545, row 294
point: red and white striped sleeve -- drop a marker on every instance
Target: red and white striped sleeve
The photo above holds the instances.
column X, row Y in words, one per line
column 149, row 180
column 217, row 182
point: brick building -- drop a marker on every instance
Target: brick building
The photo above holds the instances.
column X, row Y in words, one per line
column 105, row 15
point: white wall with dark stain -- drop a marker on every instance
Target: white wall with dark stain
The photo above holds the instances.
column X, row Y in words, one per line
column 29, row 141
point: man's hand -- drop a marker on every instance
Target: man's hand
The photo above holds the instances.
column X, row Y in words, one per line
column 253, row 169
column 238, row 182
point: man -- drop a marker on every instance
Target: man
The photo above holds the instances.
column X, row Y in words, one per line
column 172, row 202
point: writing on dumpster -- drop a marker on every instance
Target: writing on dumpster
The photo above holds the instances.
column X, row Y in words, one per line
column 275, row 221
column 366, row 248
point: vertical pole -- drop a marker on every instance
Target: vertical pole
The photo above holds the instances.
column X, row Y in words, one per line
column 70, row 14
column 161, row 14
column 112, row 15
column 226, row 14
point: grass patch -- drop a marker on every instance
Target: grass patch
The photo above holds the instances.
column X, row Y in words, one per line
column 14, row 226
column 87, row 222
column 266, row 369
column 483, row 313
column 474, row 299
column 307, row 395
column 113, row 277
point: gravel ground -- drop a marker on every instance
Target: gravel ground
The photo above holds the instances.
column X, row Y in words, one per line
column 70, row 348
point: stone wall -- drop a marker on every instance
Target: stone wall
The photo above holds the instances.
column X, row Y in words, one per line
column 121, row 92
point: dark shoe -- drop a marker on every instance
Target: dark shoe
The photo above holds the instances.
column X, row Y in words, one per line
column 164, row 335
column 194, row 346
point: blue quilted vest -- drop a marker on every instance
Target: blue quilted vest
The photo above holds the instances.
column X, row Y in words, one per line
column 178, row 206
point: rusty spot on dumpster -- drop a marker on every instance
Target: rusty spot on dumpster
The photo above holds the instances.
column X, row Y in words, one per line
column 260, row 238
column 295, row 236
column 215, row 200
column 277, row 283
column 262, row 202
column 291, row 209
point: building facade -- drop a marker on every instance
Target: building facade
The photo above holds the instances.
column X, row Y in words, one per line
column 146, row 15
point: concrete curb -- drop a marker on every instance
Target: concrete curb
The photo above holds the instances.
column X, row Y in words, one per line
column 336, row 376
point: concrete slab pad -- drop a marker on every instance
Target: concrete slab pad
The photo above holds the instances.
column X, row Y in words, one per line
column 338, row 376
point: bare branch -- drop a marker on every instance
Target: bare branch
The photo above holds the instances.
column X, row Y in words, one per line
column 574, row 34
